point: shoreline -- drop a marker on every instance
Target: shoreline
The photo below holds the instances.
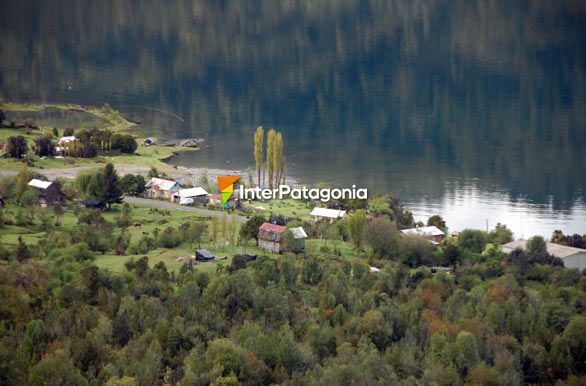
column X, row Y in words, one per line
column 193, row 174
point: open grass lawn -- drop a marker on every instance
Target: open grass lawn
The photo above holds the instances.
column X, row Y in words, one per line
column 145, row 219
column 325, row 248
column 286, row 207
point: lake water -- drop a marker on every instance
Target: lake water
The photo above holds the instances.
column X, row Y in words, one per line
column 473, row 109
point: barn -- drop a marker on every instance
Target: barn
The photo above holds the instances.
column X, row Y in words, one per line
column 572, row 257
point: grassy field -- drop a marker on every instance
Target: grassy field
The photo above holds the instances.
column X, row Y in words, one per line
column 145, row 220
column 286, row 207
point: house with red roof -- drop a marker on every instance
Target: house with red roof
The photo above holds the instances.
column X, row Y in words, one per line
column 270, row 237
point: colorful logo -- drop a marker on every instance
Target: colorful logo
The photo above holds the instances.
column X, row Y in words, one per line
column 226, row 184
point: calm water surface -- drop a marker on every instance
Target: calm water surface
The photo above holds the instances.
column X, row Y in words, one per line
column 473, row 109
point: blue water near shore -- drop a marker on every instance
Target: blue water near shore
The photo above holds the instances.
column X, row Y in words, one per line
column 470, row 109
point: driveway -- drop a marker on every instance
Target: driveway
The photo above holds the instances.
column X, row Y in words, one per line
column 169, row 205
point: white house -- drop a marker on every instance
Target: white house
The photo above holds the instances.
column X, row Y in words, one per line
column 198, row 195
column 325, row 213
column 431, row 233
column 572, row 257
column 161, row 188
column 63, row 141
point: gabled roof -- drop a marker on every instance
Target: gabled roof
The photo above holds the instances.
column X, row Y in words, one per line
column 298, row 233
column 424, row 231
column 39, row 184
column 192, row 192
column 161, row 183
column 268, row 227
column 553, row 249
column 329, row 213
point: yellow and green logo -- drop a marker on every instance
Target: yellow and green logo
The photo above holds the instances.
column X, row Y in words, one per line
column 226, row 184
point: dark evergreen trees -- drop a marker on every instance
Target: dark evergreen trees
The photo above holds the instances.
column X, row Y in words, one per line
column 111, row 192
column 16, row 147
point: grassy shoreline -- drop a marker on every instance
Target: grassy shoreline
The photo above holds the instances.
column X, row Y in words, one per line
column 145, row 156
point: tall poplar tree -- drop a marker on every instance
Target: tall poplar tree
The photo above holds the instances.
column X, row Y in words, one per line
column 259, row 137
column 271, row 135
column 278, row 159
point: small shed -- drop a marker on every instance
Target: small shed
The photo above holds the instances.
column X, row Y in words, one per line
column 327, row 214
column 48, row 191
column 198, row 195
column 298, row 241
column 204, row 255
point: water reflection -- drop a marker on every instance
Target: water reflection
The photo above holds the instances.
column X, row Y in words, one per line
column 394, row 95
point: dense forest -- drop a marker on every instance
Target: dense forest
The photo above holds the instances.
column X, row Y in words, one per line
column 381, row 314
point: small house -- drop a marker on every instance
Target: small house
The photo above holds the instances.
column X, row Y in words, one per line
column 63, row 144
column 572, row 257
column 64, row 141
column 48, row 191
column 191, row 195
column 298, row 239
column 204, row 255
column 431, row 233
column 161, row 188
column 270, row 237
column 327, row 214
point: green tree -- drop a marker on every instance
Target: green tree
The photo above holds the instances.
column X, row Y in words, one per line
column 472, row 239
column 56, row 370
column 259, row 136
column 382, row 236
column 536, row 246
column 44, row 146
column 16, row 147
column 271, row 135
column 111, row 192
column 249, row 230
column 500, row 234
column 466, row 351
column 356, row 227
column 123, row 142
column 437, row 221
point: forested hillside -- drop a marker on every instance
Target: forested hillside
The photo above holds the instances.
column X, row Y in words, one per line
column 294, row 320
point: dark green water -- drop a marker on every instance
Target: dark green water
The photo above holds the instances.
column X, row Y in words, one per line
column 475, row 109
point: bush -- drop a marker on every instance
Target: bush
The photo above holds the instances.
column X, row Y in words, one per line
column 473, row 240
column 170, row 238
column 16, row 147
column 124, row 142
column 44, row 147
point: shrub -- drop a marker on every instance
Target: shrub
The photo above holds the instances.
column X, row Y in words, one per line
column 124, row 142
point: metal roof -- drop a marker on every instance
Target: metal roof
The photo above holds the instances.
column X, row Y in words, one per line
column 553, row 249
column 298, row 233
column 192, row 192
column 329, row 213
column 267, row 226
column 39, row 184
column 424, row 231
column 161, row 183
